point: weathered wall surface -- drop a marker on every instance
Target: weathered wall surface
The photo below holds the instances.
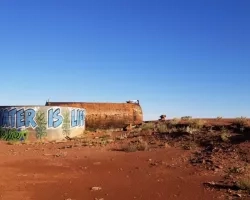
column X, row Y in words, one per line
column 40, row 122
column 107, row 115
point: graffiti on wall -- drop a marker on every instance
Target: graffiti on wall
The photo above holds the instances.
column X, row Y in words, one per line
column 14, row 118
column 13, row 134
column 14, row 121
column 27, row 118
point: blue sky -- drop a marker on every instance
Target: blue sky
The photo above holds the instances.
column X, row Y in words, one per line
column 177, row 57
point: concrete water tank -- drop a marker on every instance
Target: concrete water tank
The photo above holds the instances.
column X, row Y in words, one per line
column 107, row 115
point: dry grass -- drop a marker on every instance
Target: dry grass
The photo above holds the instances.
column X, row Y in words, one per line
column 142, row 146
column 139, row 145
column 241, row 122
column 244, row 184
column 130, row 148
column 162, row 128
column 224, row 134
column 174, row 121
column 225, row 137
column 196, row 123
column 148, row 126
column 170, row 127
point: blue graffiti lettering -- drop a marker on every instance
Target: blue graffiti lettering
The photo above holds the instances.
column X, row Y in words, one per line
column 73, row 118
column 6, row 120
column 29, row 118
column 12, row 114
column 77, row 117
column 81, row 118
column 14, row 118
column 54, row 118
column 1, row 117
column 20, row 118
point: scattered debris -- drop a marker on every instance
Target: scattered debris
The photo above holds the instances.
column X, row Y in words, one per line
column 96, row 188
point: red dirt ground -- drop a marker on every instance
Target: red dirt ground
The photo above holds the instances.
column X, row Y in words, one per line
column 44, row 171
column 68, row 170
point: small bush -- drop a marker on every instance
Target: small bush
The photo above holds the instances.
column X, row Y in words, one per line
column 137, row 146
column 174, row 122
column 240, row 122
column 219, row 118
column 130, row 148
column 224, row 137
column 186, row 117
column 148, row 126
column 196, row 123
column 224, row 134
column 162, row 128
column 142, row 146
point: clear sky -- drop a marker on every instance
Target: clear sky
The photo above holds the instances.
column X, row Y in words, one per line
column 177, row 57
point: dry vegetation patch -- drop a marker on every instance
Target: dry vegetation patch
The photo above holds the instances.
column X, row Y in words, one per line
column 133, row 146
column 244, row 184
